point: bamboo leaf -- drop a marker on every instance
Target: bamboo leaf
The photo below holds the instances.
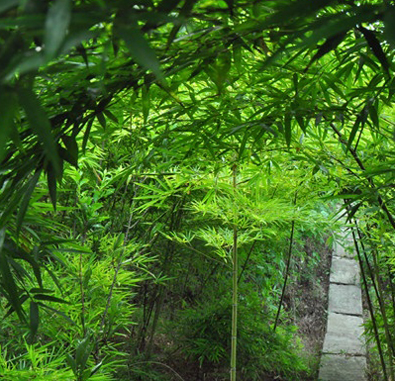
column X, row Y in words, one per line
column 167, row 5
column 34, row 318
column 243, row 143
column 295, row 82
column 330, row 44
column 146, row 102
column 353, row 132
column 237, row 56
column 72, row 363
column 86, row 134
column 287, row 128
column 22, row 300
column 359, row 123
column 60, row 313
column 72, row 149
column 300, row 8
column 5, row 5
column 83, row 352
column 96, row 368
column 25, row 200
column 352, row 211
column 8, row 108
column 140, row 50
column 102, row 120
column 39, row 290
column 49, row 298
column 183, row 13
column 8, row 281
column 301, row 122
column 52, row 186
column 41, row 125
column 374, row 114
column 56, row 26
column 389, row 24
column 111, row 116
column 376, row 48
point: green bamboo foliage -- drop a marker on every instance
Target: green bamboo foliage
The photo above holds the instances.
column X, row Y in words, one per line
column 118, row 123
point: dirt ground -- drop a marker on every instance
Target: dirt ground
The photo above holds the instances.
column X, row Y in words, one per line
column 307, row 298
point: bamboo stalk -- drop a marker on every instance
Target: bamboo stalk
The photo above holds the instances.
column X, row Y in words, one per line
column 233, row 353
column 286, row 276
column 384, row 315
column 246, row 261
column 368, row 265
column 391, row 289
column 291, row 239
column 81, row 282
column 371, row 310
column 378, row 286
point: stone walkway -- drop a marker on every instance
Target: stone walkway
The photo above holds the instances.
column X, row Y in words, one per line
column 343, row 355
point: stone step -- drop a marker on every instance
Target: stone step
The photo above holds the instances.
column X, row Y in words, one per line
column 344, row 250
column 344, row 353
column 342, row 368
column 344, row 335
column 345, row 299
column 344, row 270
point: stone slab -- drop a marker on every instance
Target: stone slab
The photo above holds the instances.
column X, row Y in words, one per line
column 344, row 250
column 342, row 368
column 344, row 335
column 344, row 270
column 345, row 299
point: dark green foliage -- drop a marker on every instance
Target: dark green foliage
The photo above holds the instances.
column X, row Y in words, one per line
column 202, row 333
column 126, row 117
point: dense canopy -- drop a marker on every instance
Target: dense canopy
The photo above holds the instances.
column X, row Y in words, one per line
column 163, row 161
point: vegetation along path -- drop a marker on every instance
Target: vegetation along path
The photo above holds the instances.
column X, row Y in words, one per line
column 169, row 171
column 344, row 355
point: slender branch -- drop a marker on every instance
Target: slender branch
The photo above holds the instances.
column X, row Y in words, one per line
column 82, row 289
column 233, row 355
column 378, row 286
column 370, row 304
column 291, row 239
column 246, row 261
column 371, row 309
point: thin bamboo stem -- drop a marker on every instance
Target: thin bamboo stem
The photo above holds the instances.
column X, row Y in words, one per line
column 233, row 354
column 291, row 239
column 286, row 276
column 384, row 315
column 81, row 275
column 378, row 286
column 371, row 310
column 81, row 282
column 391, row 284
column 246, row 261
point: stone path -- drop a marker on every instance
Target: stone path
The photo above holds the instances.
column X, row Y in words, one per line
column 343, row 355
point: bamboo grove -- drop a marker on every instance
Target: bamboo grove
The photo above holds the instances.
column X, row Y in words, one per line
column 163, row 167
